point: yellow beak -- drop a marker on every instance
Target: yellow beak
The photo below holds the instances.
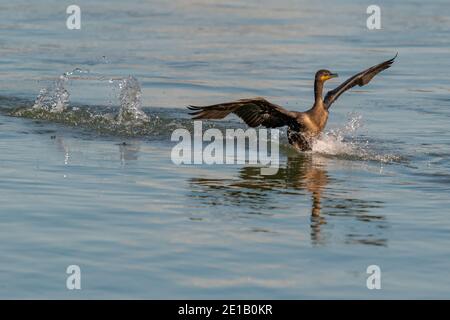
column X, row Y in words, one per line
column 329, row 76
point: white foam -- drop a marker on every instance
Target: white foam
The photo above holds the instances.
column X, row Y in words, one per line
column 341, row 141
column 344, row 142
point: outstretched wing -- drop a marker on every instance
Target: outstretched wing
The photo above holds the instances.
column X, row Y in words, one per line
column 254, row 112
column 359, row 79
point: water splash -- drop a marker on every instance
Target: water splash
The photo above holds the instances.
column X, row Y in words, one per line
column 345, row 143
column 77, row 73
column 52, row 104
column 130, row 102
column 340, row 140
column 54, row 98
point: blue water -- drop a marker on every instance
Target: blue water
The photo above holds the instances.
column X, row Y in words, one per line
column 76, row 191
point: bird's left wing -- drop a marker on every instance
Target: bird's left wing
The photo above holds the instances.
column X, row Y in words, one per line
column 359, row 79
column 254, row 112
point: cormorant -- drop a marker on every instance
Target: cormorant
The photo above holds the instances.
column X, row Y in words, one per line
column 303, row 127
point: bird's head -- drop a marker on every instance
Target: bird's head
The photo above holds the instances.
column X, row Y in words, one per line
column 324, row 75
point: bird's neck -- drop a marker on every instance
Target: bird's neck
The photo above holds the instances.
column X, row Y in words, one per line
column 318, row 113
column 318, row 90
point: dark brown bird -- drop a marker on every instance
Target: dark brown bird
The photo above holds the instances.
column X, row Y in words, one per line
column 303, row 127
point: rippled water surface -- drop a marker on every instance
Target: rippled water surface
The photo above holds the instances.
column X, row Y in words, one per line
column 86, row 176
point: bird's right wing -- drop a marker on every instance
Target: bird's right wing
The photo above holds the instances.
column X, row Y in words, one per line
column 359, row 79
column 254, row 112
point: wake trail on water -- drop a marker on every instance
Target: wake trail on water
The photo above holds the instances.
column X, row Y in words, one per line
column 129, row 119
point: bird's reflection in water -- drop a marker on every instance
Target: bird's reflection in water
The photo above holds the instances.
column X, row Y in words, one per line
column 301, row 174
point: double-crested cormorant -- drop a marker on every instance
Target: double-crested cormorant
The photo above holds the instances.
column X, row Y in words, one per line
column 303, row 127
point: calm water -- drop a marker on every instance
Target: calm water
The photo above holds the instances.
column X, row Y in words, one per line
column 78, row 190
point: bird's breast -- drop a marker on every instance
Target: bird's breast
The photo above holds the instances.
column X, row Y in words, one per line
column 315, row 123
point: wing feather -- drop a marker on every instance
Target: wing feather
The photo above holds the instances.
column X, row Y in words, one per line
column 254, row 112
column 360, row 79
